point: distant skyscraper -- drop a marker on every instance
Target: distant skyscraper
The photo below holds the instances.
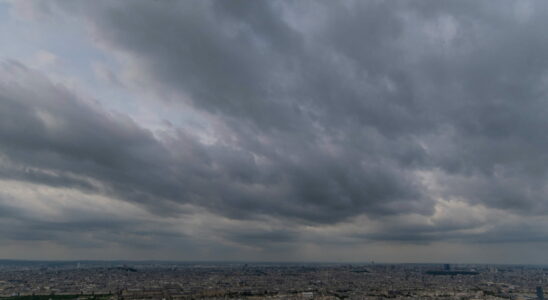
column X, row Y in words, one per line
column 447, row 267
column 540, row 293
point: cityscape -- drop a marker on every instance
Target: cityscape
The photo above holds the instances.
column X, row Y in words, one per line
column 225, row 280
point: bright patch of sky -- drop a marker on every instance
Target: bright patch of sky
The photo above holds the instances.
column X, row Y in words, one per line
column 69, row 57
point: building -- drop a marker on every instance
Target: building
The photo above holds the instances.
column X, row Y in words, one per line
column 540, row 293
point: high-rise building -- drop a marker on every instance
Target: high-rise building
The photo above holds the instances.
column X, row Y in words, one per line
column 540, row 293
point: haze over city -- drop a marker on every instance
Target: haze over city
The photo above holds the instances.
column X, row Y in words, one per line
column 275, row 131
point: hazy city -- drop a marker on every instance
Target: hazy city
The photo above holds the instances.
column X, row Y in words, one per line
column 273, row 149
column 172, row 280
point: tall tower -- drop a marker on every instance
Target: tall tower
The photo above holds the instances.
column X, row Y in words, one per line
column 540, row 293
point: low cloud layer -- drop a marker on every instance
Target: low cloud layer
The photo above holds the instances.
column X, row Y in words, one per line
column 369, row 130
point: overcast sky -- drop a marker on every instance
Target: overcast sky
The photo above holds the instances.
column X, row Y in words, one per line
column 395, row 131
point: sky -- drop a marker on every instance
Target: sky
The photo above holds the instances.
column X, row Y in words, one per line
column 337, row 131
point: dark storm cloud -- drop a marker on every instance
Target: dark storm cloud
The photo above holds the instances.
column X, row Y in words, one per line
column 332, row 110
column 50, row 136
column 358, row 81
column 329, row 148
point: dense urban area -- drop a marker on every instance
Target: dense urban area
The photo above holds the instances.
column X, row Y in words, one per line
column 165, row 280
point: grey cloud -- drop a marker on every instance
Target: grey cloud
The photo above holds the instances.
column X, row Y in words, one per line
column 55, row 138
column 332, row 109
column 264, row 238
